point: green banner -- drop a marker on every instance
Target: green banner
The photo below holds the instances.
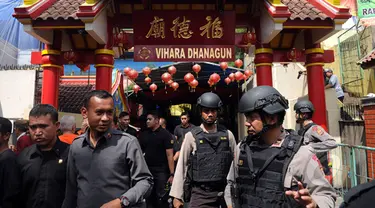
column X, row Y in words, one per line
column 366, row 8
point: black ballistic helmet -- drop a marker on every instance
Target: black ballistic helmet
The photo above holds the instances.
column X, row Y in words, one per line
column 209, row 100
column 264, row 98
column 304, row 106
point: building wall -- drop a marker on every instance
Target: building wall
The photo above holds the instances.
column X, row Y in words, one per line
column 349, row 47
column 16, row 93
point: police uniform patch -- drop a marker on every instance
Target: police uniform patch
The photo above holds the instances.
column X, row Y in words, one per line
column 201, row 141
column 240, row 162
column 318, row 130
column 172, row 141
column 223, row 138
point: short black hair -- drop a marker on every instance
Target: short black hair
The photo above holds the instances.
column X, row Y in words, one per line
column 185, row 113
column 115, row 120
column 21, row 125
column 44, row 110
column 95, row 93
column 5, row 125
column 122, row 114
column 154, row 114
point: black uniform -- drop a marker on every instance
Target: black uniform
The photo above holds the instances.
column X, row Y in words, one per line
column 209, row 167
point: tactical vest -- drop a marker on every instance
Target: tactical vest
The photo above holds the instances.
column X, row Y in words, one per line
column 213, row 157
column 303, row 130
column 262, row 172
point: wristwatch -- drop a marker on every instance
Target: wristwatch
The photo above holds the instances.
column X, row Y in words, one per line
column 124, row 201
column 172, row 174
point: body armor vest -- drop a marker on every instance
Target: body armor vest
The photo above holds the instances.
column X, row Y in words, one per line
column 261, row 173
column 213, row 157
column 303, row 130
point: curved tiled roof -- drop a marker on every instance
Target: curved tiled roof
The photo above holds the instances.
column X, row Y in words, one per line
column 62, row 9
column 302, row 9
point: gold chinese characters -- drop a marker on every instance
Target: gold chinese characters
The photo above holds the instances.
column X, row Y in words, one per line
column 181, row 28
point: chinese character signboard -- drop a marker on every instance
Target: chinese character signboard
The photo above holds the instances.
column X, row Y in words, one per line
column 183, row 36
column 366, row 12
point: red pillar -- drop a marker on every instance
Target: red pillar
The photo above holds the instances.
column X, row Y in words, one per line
column 51, row 77
column 315, row 82
column 263, row 63
column 104, row 64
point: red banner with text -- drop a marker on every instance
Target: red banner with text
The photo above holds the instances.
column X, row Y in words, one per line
column 184, row 35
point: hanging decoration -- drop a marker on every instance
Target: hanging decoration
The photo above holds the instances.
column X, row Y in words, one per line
column 231, row 77
column 227, row 80
column 148, row 80
column 224, row 66
column 175, row 85
column 238, row 76
column 127, row 70
column 172, row 70
column 196, row 69
column 133, row 74
column 249, row 38
column 121, row 39
column 153, row 88
column 83, row 67
column 71, row 56
column 188, row 77
column 294, row 54
column 146, row 71
column 238, row 63
column 215, row 78
column 193, row 84
column 170, row 82
column 136, row 88
column 248, row 73
column 210, row 83
column 166, row 77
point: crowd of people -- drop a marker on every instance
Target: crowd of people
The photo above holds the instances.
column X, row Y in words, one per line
column 108, row 163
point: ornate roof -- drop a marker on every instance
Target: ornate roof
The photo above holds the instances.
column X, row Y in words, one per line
column 302, row 9
column 63, row 9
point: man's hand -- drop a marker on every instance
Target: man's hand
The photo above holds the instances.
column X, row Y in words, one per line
column 177, row 203
column 12, row 147
column 112, row 204
column 170, row 180
column 302, row 196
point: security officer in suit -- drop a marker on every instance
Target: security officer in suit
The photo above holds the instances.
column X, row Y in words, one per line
column 205, row 158
column 271, row 168
column 318, row 140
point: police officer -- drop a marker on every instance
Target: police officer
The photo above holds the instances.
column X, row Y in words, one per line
column 318, row 140
column 205, row 158
column 270, row 167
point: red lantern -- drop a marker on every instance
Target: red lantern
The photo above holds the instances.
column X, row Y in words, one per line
column 223, row 66
column 127, row 70
column 294, row 54
column 146, row 71
column 245, row 77
column 238, row 76
column 170, row 82
column 249, row 38
column 136, row 88
column 248, row 73
column 188, row 77
column 166, row 77
column 215, row 78
column 133, row 74
column 238, row 63
column 153, row 88
column 70, row 56
column 175, row 85
column 231, row 76
column 210, row 83
column 121, row 39
column 196, row 68
column 83, row 67
column 193, row 84
column 172, row 70
column 227, row 80
column 147, row 80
